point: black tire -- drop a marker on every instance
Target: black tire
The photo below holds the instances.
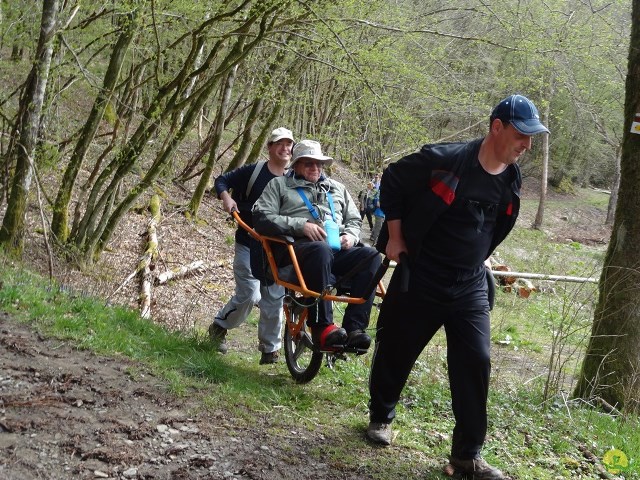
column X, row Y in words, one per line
column 303, row 361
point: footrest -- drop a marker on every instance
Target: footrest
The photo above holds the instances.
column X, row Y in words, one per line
column 357, row 351
column 341, row 349
column 335, row 349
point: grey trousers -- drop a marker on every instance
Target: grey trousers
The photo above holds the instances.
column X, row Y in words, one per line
column 248, row 293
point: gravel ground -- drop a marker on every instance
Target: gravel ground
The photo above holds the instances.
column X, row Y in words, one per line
column 67, row 413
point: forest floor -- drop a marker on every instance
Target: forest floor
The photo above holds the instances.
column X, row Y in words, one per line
column 69, row 413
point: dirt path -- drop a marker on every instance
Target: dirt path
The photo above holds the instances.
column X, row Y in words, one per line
column 67, row 413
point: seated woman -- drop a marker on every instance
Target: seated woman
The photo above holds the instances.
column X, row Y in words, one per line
column 308, row 206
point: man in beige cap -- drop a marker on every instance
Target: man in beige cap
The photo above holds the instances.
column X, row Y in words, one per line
column 305, row 204
column 246, row 184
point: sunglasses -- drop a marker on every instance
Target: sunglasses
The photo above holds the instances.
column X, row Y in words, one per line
column 309, row 164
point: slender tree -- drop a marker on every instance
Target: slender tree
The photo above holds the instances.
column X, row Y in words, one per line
column 537, row 223
column 223, row 106
column 60, row 222
column 96, row 242
column 30, row 110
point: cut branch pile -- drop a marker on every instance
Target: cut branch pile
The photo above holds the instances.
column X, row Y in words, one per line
column 510, row 281
column 150, row 254
column 146, row 267
column 520, row 281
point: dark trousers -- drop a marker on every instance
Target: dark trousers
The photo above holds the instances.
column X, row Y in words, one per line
column 368, row 214
column 406, row 324
column 320, row 267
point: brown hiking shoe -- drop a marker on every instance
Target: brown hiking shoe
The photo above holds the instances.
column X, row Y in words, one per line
column 379, row 433
column 218, row 336
column 473, row 469
column 268, row 358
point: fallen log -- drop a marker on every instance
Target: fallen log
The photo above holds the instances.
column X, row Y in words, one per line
column 544, row 276
column 607, row 407
column 164, row 277
column 534, row 276
column 126, row 280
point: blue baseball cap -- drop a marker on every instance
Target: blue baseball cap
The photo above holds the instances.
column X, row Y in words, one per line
column 520, row 112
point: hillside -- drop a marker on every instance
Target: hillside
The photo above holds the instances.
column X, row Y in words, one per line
column 67, row 412
column 189, row 302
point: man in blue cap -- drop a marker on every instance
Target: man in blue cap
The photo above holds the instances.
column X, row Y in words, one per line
column 447, row 208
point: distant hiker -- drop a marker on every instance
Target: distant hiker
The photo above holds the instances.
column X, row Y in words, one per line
column 246, row 184
column 366, row 204
column 447, row 208
column 378, row 216
column 376, row 181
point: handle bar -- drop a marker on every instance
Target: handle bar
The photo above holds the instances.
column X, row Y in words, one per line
column 405, row 272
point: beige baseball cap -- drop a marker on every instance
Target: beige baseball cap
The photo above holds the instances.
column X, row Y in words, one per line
column 279, row 134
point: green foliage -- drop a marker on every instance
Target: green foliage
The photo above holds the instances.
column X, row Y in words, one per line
column 372, row 81
column 48, row 157
column 110, row 114
column 565, row 186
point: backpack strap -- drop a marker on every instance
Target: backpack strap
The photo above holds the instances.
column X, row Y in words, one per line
column 333, row 210
column 256, row 171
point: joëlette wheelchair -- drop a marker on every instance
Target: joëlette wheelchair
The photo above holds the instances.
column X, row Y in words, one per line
column 302, row 357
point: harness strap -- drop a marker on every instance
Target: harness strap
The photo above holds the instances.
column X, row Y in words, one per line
column 312, row 209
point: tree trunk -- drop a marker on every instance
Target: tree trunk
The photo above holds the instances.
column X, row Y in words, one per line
column 537, row 223
column 261, row 140
column 611, row 369
column 613, row 199
column 95, row 243
column 145, row 265
column 118, row 167
column 246, row 152
column 92, row 240
column 196, row 198
column 30, row 108
column 242, row 153
column 275, row 116
column 60, row 222
column 162, row 106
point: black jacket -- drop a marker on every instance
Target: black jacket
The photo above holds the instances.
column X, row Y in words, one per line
column 419, row 187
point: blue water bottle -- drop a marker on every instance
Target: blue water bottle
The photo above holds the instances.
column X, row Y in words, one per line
column 333, row 234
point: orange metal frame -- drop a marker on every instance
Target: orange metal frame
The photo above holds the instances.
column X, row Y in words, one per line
column 302, row 286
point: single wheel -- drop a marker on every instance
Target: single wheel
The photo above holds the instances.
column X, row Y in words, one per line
column 303, row 361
